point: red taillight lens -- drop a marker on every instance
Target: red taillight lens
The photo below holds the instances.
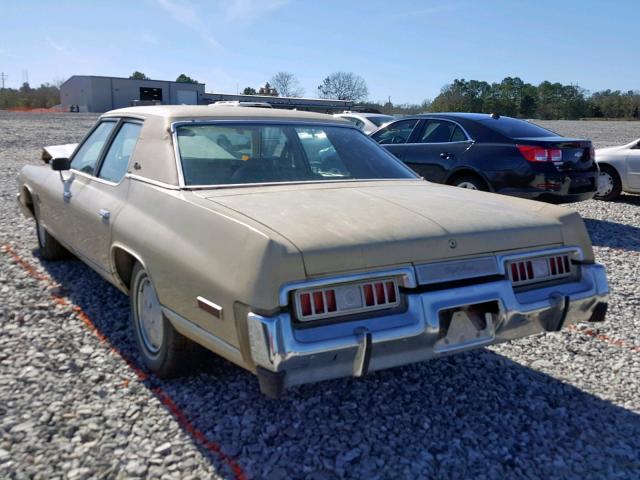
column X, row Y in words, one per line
column 368, row 295
column 346, row 299
column 331, row 300
column 305, row 304
column 532, row 153
column 318, row 302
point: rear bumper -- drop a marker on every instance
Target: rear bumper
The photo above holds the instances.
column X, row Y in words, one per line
column 308, row 355
column 558, row 188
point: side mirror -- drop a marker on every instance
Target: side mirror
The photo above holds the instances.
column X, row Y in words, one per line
column 60, row 164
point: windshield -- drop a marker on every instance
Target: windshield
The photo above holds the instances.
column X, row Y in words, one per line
column 218, row 154
column 514, row 128
column 379, row 120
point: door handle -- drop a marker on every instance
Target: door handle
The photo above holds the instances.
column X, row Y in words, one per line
column 447, row 155
column 104, row 213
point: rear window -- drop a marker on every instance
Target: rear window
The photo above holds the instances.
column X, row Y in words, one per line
column 219, row 154
column 514, row 128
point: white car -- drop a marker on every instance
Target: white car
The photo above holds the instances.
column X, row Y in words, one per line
column 367, row 122
column 619, row 170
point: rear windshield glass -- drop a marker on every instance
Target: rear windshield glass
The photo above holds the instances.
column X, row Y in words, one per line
column 218, row 154
column 379, row 120
column 514, row 128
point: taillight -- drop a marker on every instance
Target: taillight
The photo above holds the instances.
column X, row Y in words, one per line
column 592, row 153
column 539, row 269
column 555, row 154
column 534, row 153
column 348, row 299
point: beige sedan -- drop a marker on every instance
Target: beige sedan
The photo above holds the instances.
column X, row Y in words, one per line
column 294, row 246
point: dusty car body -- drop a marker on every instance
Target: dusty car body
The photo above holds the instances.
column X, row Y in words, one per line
column 301, row 277
column 619, row 170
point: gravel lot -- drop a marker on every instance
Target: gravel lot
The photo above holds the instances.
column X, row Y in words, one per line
column 73, row 403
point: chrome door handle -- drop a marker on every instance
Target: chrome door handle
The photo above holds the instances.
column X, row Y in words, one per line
column 446, row 155
column 104, row 213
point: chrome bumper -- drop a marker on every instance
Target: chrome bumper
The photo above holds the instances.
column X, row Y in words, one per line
column 311, row 354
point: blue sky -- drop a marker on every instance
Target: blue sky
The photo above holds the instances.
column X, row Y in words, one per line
column 402, row 48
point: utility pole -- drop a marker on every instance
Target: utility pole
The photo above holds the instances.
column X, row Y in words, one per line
column 3, row 76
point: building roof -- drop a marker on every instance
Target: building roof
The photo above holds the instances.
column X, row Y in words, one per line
column 172, row 113
column 131, row 79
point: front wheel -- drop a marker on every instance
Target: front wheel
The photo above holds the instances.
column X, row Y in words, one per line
column 164, row 350
column 609, row 184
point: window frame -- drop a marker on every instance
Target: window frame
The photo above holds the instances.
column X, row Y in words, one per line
column 423, row 125
column 390, row 124
column 292, row 123
column 84, row 141
column 119, row 121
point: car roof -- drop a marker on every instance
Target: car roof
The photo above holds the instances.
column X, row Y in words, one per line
column 154, row 154
column 454, row 116
column 171, row 113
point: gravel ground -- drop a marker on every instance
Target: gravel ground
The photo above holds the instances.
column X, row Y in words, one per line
column 74, row 404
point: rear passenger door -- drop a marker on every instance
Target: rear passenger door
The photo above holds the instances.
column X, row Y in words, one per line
column 395, row 136
column 437, row 147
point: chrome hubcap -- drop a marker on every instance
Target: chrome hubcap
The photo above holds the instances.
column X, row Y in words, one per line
column 150, row 318
column 605, row 184
column 468, row 185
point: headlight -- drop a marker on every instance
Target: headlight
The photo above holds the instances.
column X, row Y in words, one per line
column 346, row 299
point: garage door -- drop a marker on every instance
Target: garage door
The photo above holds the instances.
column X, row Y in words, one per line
column 187, row 97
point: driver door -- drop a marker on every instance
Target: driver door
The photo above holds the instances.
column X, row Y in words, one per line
column 59, row 202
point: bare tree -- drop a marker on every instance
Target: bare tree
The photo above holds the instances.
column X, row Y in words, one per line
column 287, row 84
column 344, row 86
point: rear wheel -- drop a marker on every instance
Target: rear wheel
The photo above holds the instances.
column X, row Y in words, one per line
column 48, row 246
column 469, row 182
column 164, row 351
column 609, row 184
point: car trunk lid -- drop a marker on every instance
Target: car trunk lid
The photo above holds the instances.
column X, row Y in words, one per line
column 364, row 225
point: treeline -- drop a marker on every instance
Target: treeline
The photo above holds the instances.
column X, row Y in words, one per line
column 549, row 101
column 512, row 97
column 45, row 96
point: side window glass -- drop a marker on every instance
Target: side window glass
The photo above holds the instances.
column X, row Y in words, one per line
column 397, row 132
column 458, row 135
column 437, row 131
column 116, row 161
column 86, row 158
